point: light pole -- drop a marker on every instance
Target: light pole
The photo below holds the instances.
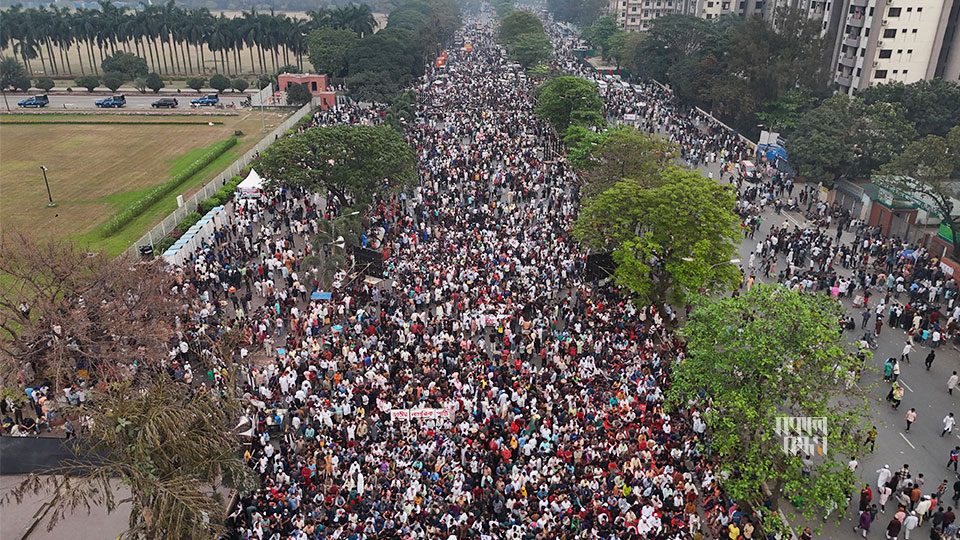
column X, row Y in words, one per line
column 712, row 266
column 50, row 204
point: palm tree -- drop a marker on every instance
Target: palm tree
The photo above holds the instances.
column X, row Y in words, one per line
column 197, row 26
column 252, row 31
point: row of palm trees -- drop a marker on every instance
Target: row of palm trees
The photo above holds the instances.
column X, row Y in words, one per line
column 172, row 39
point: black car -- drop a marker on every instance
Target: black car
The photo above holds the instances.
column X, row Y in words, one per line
column 165, row 103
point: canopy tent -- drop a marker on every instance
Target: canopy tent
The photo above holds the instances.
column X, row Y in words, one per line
column 252, row 185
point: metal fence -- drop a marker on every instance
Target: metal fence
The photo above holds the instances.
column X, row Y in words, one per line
column 155, row 234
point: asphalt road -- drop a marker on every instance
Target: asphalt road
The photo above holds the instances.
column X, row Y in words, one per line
column 84, row 101
column 923, row 448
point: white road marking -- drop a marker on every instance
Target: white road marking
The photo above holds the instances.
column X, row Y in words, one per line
column 908, row 441
column 905, row 385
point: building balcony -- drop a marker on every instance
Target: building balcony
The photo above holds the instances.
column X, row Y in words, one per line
column 844, row 80
column 859, row 3
column 851, row 41
column 856, row 21
column 848, row 60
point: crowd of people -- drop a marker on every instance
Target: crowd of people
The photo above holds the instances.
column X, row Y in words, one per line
column 489, row 391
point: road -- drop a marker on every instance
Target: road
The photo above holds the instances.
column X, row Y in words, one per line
column 84, row 101
column 923, row 448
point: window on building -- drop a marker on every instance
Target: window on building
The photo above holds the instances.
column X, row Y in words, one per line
column 895, row 71
column 914, row 31
column 634, row 8
column 709, row 4
column 863, row 52
column 871, row 12
column 909, row 51
column 885, row 53
column 859, row 71
column 899, row 51
column 919, row 9
column 893, row 12
column 904, row 72
column 633, row 20
column 890, row 33
column 909, row 9
column 880, row 74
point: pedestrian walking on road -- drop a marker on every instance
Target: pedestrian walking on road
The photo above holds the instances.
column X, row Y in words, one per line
column 954, row 456
column 866, row 497
column 885, row 493
column 866, row 317
column 872, row 439
column 877, row 326
column 888, row 369
column 910, row 524
column 928, row 361
column 948, row 422
column 907, row 349
column 897, row 395
column 893, row 529
column 910, row 417
column 863, row 524
column 952, row 382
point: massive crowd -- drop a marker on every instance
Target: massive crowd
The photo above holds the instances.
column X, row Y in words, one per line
column 485, row 389
column 540, row 398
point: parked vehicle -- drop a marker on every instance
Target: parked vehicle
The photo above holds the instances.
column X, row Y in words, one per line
column 748, row 171
column 165, row 103
column 112, row 102
column 207, row 100
column 35, row 101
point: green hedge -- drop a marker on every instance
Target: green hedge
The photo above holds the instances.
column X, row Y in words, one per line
column 222, row 196
column 128, row 214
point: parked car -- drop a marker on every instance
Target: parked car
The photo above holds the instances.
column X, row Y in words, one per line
column 748, row 171
column 207, row 100
column 112, row 102
column 164, row 103
column 35, row 101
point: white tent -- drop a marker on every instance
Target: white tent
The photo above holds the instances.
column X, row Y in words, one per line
column 251, row 186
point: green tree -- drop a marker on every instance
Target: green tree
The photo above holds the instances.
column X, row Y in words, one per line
column 623, row 48
column 240, row 85
column 344, row 161
column 264, row 80
column 663, row 254
column 566, row 99
column 219, row 82
column 531, row 49
column 44, row 83
column 140, row 83
column 600, row 32
column 298, row 94
column 12, row 75
column 330, row 49
column 129, row 64
column 113, row 80
column 928, row 172
column 154, row 82
column 89, row 82
column 784, row 113
column 516, row 24
column 619, row 154
column 579, row 12
column 846, row 138
column 772, row 352
column 196, row 83
column 673, row 38
column 932, row 106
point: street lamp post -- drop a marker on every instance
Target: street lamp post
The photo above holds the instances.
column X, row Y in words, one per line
column 50, row 204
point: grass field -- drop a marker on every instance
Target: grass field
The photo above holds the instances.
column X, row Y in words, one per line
column 96, row 170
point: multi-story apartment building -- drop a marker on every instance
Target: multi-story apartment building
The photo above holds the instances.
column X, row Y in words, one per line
column 896, row 40
column 636, row 15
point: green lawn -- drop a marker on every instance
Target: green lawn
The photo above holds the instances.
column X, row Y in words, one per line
column 118, row 243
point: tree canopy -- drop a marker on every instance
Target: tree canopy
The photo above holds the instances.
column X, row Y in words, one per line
column 579, row 12
column 617, row 154
column 766, row 353
column 567, row 100
column 69, row 317
column 355, row 164
column 932, row 106
column 330, row 49
column 663, row 254
column 847, row 138
column 129, row 64
column 929, row 168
